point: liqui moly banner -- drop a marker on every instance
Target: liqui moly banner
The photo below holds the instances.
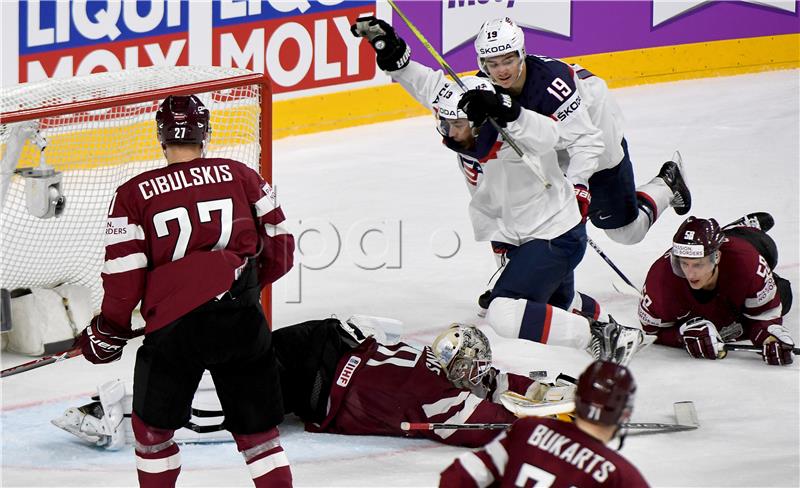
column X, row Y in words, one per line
column 301, row 44
column 572, row 28
column 305, row 46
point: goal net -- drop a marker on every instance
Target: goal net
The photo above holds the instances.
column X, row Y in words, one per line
column 100, row 131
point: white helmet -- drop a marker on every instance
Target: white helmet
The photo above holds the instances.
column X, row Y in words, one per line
column 464, row 353
column 498, row 37
column 447, row 101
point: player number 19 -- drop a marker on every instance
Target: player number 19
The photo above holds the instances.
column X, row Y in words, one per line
column 559, row 89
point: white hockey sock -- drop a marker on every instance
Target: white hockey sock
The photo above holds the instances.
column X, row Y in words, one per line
column 538, row 322
column 658, row 195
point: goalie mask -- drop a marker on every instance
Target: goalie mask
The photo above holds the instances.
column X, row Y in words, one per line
column 499, row 37
column 447, row 102
column 182, row 120
column 464, row 353
column 605, row 394
column 696, row 238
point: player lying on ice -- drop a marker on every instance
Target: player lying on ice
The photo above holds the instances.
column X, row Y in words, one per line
column 549, row 452
column 717, row 285
column 520, row 202
column 337, row 380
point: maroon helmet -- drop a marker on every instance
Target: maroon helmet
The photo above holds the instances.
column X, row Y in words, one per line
column 605, row 393
column 696, row 238
column 182, row 120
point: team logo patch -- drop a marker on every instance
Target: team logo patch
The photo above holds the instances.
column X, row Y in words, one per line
column 347, row 371
column 648, row 319
column 117, row 230
column 688, row 250
column 269, row 192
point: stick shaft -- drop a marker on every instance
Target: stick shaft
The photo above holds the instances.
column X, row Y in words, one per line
column 746, row 347
column 480, row 426
column 38, row 363
column 610, row 263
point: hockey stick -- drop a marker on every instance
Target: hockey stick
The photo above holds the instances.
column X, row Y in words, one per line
column 439, row 59
column 637, row 428
column 685, row 415
column 750, row 348
column 613, row 266
column 38, row 363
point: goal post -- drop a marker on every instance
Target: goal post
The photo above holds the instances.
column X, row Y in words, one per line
column 99, row 132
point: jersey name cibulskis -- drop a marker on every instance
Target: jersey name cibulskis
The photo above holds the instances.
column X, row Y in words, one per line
column 184, row 178
column 569, row 450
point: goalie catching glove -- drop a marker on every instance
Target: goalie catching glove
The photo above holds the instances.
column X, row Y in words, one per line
column 702, row 340
column 102, row 341
column 392, row 52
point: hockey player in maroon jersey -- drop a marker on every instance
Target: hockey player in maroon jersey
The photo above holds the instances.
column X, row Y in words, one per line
column 548, row 452
column 373, row 386
column 195, row 242
column 718, row 285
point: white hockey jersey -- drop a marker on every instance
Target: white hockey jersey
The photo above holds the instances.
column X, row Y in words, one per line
column 605, row 114
column 509, row 202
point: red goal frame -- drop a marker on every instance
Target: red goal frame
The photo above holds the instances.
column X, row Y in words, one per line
column 261, row 79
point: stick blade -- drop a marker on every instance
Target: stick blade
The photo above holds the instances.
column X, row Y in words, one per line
column 686, row 414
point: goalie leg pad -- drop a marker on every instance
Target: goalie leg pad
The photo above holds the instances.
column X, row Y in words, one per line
column 85, row 422
column 111, row 396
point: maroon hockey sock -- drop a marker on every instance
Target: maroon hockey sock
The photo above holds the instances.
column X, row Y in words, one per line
column 158, row 460
column 265, row 458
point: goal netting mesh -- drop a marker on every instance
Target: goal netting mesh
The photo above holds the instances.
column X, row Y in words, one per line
column 100, row 131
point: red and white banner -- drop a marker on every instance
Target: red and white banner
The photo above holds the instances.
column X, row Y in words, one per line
column 302, row 45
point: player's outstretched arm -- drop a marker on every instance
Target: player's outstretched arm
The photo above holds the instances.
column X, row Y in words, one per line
column 394, row 56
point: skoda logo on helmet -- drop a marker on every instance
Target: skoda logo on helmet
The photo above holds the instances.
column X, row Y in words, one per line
column 495, row 49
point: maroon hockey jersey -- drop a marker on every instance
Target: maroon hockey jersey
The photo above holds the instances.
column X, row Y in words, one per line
column 179, row 236
column 543, row 452
column 377, row 387
column 744, row 302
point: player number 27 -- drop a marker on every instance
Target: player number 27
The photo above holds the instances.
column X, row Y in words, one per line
column 204, row 209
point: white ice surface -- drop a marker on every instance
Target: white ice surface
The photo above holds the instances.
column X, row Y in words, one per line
column 739, row 138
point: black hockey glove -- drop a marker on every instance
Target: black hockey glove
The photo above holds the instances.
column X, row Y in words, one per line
column 480, row 104
column 392, row 52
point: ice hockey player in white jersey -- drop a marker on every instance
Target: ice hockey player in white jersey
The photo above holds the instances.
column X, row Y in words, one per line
column 591, row 147
column 524, row 206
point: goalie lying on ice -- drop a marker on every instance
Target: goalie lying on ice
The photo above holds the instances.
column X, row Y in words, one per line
column 338, row 379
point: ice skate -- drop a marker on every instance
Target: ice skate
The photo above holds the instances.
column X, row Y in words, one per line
column 674, row 175
column 613, row 342
column 757, row 220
